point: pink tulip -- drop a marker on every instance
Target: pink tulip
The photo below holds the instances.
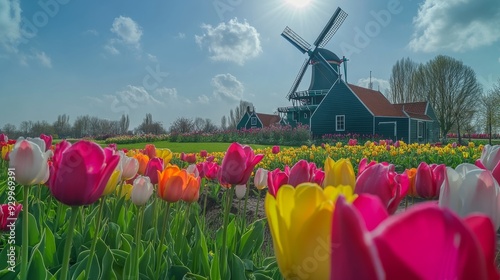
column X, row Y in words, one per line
column 48, row 141
column 154, row 165
column 425, row 242
column 490, row 159
column 238, row 164
column 4, row 138
column 203, row 153
column 276, row 179
column 210, row 170
column 352, row 142
column 364, row 164
column 8, row 216
column 128, row 165
column 80, row 172
column 189, row 158
column 382, row 180
column 210, row 159
column 113, row 146
column 301, row 172
column 276, row 149
column 397, row 144
column 429, row 179
column 150, row 151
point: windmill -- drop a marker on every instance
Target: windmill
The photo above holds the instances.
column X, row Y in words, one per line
column 325, row 71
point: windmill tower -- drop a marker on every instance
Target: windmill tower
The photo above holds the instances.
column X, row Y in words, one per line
column 325, row 72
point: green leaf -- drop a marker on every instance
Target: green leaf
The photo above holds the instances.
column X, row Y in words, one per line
column 5, row 273
column 113, row 237
column 215, row 268
column 37, row 268
column 237, row 268
column 95, row 271
column 120, row 256
column 252, row 240
column 259, row 276
column 191, row 276
column 177, row 272
column 48, row 248
column 200, row 252
column 147, row 258
column 107, row 266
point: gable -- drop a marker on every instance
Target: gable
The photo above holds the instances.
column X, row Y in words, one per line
column 268, row 119
column 376, row 102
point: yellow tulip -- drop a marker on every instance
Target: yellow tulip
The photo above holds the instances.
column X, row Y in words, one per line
column 6, row 149
column 300, row 221
column 165, row 154
column 112, row 182
column 126, row 190
column 339, row 173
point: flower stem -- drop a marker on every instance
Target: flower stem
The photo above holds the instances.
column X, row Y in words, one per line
column 204, row 208
column 138, row 231
column 245, row 208
column 94, row 241
column 256, row 207
column 69, row 242
column 24, row 253
column 223, row 259
column 162, row 240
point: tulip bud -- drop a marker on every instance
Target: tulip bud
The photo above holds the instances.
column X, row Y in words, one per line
column 142, row 190
column 30, row 161
column 240, row 191
column 260, row 179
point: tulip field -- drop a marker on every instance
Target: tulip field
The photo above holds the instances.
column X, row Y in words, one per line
column 333, row 211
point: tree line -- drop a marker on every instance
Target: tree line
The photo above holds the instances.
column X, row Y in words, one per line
column 458, row 99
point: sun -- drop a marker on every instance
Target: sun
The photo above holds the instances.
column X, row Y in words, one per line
column 298, row 3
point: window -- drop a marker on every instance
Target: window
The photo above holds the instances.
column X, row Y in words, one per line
column 295, row 116
column 253, row 121
column 420, row 129
column 305, row 115
column 340, row 122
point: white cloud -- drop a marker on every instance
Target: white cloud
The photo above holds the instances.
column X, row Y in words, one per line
column 166, row 93
column 233, row 41
column 456, row 25
column 127, row 31
column 378, row 84
column 203, row 99
column 227, row 87
column 181, row 35
column 10, row 21
column 152, row 58
column 44, row 59
column 92, row 32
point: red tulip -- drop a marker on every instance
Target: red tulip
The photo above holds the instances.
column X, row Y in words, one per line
column 8, row 216
column 381, row 180
column 275, row 149
column 238, row 164
column 203, row 153
column 80, row 172
column 429, row 179
column 3, row 138
column 150, row 151
column 443, row 246
column 154, row 165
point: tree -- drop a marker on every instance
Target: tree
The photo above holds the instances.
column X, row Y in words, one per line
column 62, row 127
column 223, row 123
column 124, row 124
column 490, row 111
column 236, row 115
column 10, row 130
column 182, row 125
column 402, row 82
column 149, row 126
column 452, row 89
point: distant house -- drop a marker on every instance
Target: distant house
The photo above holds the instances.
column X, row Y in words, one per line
column 251, row 119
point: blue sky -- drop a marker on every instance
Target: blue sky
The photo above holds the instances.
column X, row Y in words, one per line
column 199, row 58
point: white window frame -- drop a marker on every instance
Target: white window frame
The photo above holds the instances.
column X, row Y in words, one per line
column 253, row 120
column 340, row 119
column 420, row 133
column 305, row 115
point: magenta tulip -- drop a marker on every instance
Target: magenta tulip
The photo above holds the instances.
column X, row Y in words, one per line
column 381, row 180
column 301, row 172
column 210, row 170
column 276, row 179
column 364, row 164
column 154, row 165
column 275, row 149
column 48, row 141
column 8, row 216
column 3, row 138
column 425, row 242
column 80, row 172
column 203, row 153
column 238, row 164
column 429, row 179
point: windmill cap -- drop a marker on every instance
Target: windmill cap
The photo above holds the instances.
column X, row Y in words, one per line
column 329, row 56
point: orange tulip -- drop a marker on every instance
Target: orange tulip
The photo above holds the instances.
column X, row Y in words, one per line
column 192, row 191
column 171, row 183
column 143, row 162
column 411, row 177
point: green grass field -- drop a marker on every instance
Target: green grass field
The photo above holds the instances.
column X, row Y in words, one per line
column 184, row 147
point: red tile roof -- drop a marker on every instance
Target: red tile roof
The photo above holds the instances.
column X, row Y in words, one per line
column 415, row 110
column 376, row 102
column 267, row 119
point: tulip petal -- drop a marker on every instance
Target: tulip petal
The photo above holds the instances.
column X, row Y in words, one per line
column 353, row 256
column 371, row 209
column 483, row 229
column 448, row 251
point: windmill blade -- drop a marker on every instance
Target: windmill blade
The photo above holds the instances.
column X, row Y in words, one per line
column 323, row 60
column 331, row 28
column 296, row 40
column 298, row 79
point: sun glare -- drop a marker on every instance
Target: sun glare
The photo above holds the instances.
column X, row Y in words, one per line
column 298, row 3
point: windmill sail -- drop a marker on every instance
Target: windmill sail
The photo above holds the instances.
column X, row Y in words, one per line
column 298, row 78
column 331, row 28
column 295, row 40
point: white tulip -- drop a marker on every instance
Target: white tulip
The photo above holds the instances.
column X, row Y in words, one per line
column 30, row 161
column 142, row 190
